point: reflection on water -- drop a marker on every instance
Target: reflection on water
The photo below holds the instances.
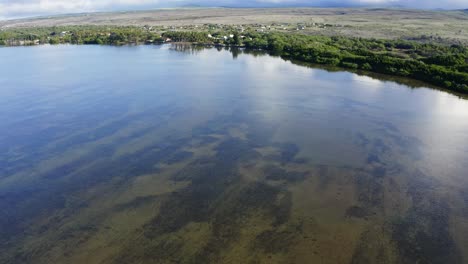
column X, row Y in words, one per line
column 173, row 155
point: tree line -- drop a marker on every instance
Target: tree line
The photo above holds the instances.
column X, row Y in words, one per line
column 441, row 65
column 444, row 66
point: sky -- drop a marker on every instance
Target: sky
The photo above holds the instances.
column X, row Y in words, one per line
column 25, row 8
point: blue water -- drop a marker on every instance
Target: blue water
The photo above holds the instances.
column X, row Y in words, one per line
column 192, row 146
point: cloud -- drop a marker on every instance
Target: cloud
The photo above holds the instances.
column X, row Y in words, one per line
column 21, row 8
column 12, row 8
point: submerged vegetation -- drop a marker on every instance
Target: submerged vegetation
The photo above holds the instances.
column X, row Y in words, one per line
column 441, row 65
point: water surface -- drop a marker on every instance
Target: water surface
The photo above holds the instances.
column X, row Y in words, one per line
column 159, row 154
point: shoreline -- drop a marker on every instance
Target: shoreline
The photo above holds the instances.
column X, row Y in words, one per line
column 445, row 67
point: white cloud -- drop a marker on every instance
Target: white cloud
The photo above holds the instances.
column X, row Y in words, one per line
column 18, row 8
column 39, row 7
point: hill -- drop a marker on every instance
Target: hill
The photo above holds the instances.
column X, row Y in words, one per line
column 435, row 26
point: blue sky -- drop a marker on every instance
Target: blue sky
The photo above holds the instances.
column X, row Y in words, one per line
column 23, row 8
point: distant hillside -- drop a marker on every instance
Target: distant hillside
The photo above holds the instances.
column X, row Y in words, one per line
column 449, row 27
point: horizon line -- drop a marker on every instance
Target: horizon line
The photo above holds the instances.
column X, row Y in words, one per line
column 228, row 7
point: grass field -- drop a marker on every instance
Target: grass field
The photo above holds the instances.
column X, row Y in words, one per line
column 449, row 27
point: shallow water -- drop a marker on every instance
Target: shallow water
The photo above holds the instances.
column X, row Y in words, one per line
column 162, row 154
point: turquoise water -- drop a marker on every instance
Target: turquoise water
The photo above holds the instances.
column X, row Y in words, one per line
column 166, row 154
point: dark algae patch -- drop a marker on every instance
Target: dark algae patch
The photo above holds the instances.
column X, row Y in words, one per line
column 422, row 235
column 218, row 197
column 274, row 241
column 358, row 212
column 373, row 247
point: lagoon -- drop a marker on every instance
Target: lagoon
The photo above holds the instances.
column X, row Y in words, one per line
column 170, row 154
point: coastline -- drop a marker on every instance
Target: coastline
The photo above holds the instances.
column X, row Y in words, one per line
column 444, row 67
